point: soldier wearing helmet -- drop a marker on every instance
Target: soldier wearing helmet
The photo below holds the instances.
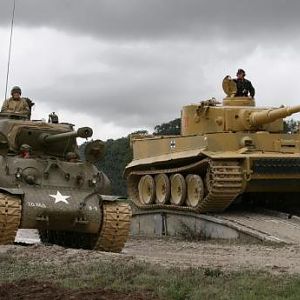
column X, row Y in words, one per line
column 244, row 86
column 16, row 104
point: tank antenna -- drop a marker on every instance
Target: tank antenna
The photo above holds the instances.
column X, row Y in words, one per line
column 10, row 46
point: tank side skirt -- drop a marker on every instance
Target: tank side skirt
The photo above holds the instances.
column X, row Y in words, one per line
column 10, row 217
column 226, row 184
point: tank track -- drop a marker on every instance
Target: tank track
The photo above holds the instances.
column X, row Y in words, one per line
column 115, row 227
column 225, row 185
column 10, row 217
column 112, row 236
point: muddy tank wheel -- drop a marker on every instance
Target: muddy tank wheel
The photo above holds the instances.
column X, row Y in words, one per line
column 178, row 189
column 163, row 189
column 147, row 189
column 195, row 190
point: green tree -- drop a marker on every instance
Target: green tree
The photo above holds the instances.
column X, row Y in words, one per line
column 290, row 126
column 117, row 155
column 170, row 128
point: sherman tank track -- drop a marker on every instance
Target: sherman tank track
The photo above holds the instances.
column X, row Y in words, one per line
column 225, row 184
column 10, row 217
column 115, row 227
column 112, row 235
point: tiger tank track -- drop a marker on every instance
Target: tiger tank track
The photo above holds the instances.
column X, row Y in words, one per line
column 225, row 184
column 10, row 217
column 112, row 235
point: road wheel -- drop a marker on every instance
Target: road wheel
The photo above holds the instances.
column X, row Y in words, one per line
column 178, row 189
column 195, row 190
column 147, row 189
column 162, row 187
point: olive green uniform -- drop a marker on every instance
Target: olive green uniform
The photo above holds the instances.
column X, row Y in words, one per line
column 16, row 106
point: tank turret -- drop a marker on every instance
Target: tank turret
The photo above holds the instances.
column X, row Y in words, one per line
column 83, row 132
column 209, row 117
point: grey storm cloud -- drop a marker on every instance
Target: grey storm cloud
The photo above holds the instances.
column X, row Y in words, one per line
column 137, row 62
column 158, row 19
column 132, row 95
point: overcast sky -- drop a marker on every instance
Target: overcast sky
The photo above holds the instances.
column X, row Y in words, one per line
column 122, row 65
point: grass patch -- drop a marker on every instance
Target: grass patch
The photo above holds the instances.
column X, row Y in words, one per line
column 165, row 283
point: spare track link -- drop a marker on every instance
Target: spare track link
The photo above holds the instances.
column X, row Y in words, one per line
column 225, row 185
column 115, row 227
column 10, row 217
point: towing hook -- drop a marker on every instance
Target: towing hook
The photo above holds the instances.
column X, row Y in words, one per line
column 82, row 205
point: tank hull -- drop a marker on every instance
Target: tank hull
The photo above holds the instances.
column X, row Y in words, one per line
column 227, row 166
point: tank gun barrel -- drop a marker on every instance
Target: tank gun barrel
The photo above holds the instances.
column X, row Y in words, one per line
column 83, row 132
column 271, row 115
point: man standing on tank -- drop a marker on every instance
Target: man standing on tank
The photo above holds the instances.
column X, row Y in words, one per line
column 16, row 104
column 244, row 86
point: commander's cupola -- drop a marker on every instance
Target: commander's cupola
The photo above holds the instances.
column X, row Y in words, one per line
column 230, row 89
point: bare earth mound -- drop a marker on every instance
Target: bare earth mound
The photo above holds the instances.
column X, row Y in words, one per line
column 28, row 290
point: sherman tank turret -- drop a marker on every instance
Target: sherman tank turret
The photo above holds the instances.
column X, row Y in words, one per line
column 225, row 152
column 45, row 185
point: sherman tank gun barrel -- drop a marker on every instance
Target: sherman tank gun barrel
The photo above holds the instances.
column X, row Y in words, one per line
column 83, row 132
column 271, row 115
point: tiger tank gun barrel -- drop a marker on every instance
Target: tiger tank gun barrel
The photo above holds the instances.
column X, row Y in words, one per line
column 83, row 132
column 271, row 115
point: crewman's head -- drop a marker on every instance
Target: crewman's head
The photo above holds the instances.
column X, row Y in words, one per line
column 16, row 92
column 240, row 74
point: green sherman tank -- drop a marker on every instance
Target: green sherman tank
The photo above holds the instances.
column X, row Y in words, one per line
column 45, row 186
column 225, row 153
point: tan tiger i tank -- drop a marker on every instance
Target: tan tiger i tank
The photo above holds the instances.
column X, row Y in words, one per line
column 224, row 152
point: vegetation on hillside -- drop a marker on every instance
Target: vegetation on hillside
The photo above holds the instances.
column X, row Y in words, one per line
column 170, row 128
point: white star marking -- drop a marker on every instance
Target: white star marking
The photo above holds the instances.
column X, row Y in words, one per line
column 60, row 198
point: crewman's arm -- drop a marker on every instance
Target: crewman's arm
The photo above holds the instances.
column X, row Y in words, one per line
column 4, row 106
column 251, row 89
column 25, row 108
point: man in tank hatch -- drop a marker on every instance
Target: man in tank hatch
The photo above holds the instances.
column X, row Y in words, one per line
column 16, row 104
column 244, row 86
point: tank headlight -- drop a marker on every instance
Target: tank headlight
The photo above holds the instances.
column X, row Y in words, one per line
column 18, row 174
column 93, row 181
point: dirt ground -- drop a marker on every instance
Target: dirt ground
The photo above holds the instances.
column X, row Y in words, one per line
column 169, row 252
column 225, row 256
column 28, row 290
